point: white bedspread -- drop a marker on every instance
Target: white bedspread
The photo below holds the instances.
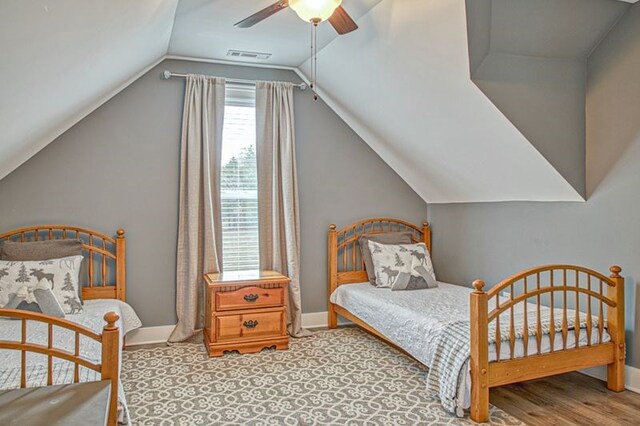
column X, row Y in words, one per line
column 92, row 318
column 414, row 319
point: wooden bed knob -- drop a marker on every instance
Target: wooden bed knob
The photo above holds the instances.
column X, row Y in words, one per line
column 478, row 285
column 615, row 271
column 111, row 318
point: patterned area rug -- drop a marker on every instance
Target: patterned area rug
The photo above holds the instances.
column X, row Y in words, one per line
column 341, row 377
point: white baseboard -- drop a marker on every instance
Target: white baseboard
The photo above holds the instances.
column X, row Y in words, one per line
column 315, row 320
column 149, row 335
column 631, row 376
column 160, row 334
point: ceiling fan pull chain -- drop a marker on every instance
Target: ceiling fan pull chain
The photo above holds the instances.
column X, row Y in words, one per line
column 315, row 61
column 312, row 82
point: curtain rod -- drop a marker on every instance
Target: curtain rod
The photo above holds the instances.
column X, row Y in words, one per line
column 166, row 74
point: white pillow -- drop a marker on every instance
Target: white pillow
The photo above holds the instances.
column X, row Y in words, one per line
column 402, row 266
column 60, row 275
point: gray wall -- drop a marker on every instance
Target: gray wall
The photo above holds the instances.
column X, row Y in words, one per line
column 531, row 65
column 613, row 98
column 119, row 168
column 478, row 31
column 544, row 99
column 491, row 241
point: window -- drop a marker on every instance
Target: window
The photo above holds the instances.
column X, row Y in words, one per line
column 239, row 182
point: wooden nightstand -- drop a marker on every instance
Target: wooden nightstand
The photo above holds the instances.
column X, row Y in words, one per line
column 245, row 311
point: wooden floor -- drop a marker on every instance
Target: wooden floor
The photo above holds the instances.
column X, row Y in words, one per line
column 568, row 399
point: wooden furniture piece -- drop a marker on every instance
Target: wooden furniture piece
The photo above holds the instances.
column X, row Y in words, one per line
column 104, row 258
column 246, row 311
column 105, row 279
column 109, row 339
column 582, row 287
column 75, row 404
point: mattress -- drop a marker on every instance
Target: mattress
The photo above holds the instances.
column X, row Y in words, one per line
column 91, row 317
column 414, row 319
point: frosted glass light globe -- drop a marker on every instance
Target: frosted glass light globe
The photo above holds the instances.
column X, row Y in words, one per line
column 314, row 10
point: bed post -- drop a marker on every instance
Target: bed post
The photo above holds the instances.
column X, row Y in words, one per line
column 120, row 265
column 426, row 236
column 615, row 326
column 333, row 273
column 479, row 354
column 110, row 366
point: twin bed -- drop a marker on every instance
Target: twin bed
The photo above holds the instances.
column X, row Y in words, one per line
column 473, row 340
column 39, row 350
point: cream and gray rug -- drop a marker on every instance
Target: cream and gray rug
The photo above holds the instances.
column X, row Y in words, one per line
column 341, row 377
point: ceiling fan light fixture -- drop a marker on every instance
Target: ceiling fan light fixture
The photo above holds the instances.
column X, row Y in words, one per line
column 314, row 10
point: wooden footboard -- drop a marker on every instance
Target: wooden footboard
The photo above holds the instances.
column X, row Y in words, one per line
column 109, row 340
column 570, row 289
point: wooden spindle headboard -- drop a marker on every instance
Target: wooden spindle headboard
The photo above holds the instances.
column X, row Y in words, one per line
column 346, row 265
column 104, row 266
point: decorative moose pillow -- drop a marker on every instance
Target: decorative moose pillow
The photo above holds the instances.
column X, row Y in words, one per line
column 402, row 266
column 21, row 280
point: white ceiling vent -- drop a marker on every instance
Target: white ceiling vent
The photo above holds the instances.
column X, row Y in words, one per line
column 248, row 55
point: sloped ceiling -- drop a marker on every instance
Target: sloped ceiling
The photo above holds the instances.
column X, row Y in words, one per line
column 401, row 81
column 60, row 59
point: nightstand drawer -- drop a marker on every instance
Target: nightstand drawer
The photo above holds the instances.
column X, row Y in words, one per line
column 249, row 326
column 248, row 298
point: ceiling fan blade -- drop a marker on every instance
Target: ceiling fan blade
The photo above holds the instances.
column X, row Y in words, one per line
column 263, row 14
column 342, row 22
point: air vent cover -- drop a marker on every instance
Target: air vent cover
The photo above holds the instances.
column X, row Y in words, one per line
column 247, row 55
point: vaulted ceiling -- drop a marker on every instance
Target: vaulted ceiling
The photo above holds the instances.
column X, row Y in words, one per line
column 204, row 29
column 402, row 81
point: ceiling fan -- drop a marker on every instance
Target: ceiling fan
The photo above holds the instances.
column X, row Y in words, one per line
column 314, row 11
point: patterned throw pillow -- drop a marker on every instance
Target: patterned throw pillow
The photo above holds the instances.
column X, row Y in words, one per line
column 25, row 278
column 402, row 266
column 382, row 238
column 39, row 299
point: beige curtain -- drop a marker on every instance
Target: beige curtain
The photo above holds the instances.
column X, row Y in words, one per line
column 199, row 234
column 278, row 209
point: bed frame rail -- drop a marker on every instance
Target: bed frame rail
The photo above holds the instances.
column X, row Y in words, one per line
column 571, row 290
column 109, row 340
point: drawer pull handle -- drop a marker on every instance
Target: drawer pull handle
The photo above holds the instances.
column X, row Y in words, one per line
column 250, row 324
column 251, row 297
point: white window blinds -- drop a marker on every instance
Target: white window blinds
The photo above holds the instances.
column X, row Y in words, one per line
column 239, row 183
